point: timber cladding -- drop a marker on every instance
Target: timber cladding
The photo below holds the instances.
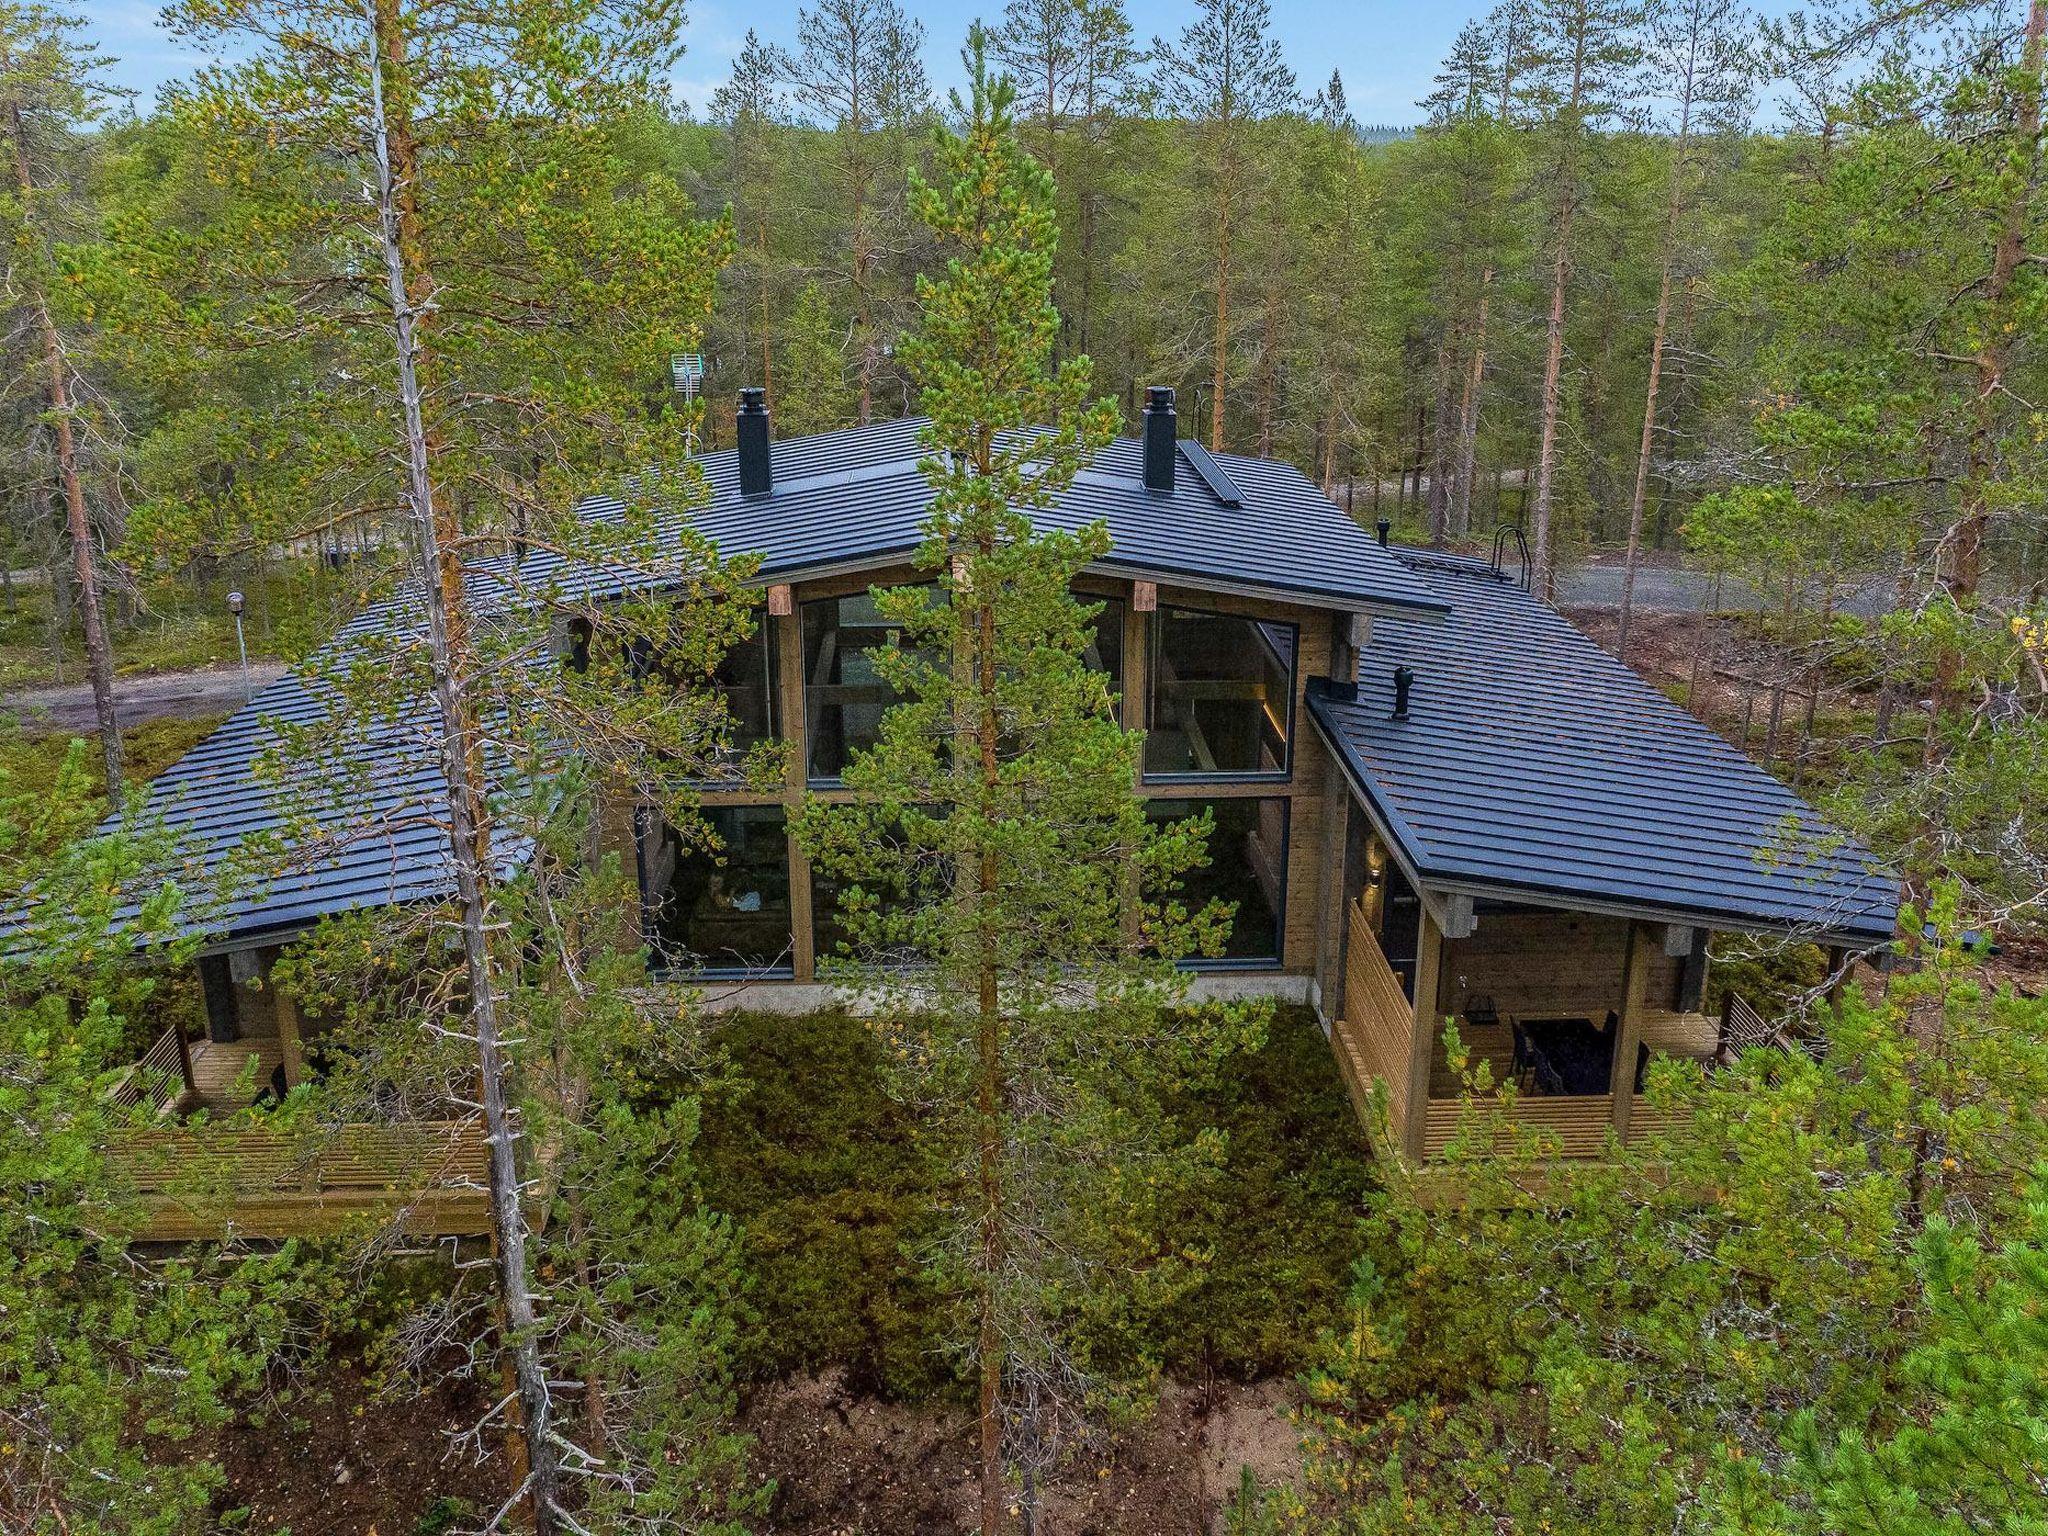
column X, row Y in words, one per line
column 1533, row 963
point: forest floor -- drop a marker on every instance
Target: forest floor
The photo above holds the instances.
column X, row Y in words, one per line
column 850, row 1381
column 844, row 1463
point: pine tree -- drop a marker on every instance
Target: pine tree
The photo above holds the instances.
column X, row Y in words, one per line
column 994, row 863
column 441, row 251
column 1582, row 57
column 1702, row 47
column 1223, row 76
column 749, row 107
column 52, row 95
column 857, row 73
column 816, row 396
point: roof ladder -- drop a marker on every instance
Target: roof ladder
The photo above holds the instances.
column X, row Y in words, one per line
column 1501, row 535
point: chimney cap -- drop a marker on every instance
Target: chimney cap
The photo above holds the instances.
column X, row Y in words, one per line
column 1159, row 397
column 1404, row 683
column 1385, row 527
column 754, row 400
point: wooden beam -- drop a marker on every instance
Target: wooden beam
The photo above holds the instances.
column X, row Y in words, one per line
column 789, row 686
column 781, row 601
column 1429, row 945
column 1460, row 921
column 1678, row 940
column 1628, row 1035
column 1144, row 596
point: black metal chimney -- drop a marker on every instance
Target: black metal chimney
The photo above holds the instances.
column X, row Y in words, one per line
column 755, row 474
column 1404, row 682
column 1162, row 445
column 1385, row 527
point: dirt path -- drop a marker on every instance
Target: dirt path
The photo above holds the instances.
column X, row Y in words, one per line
column 137, row 700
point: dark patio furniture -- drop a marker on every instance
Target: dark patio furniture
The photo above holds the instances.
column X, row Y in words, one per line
column 1580, row 1056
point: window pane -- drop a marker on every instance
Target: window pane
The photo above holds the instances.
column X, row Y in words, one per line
column 724, row 910
column 1222, row 689
column 1105, row 652
column 1247, row 865
column 834, row 939
column 746, row 677
column 844, row 696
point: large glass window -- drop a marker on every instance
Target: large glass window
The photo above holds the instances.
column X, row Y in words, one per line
column 746, row 679
column 723, row 909
column 1105, row 650
column 844, row 696
column 1222, row 695
column 1247, row 865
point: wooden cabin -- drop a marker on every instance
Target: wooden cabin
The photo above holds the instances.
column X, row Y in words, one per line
column 1433, row 798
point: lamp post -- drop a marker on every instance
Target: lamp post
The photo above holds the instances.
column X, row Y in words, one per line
column 241, row 645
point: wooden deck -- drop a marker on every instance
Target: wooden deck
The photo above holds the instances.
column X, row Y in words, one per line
column 1375, row 1042
column 429, row 1176
column 218, row 1068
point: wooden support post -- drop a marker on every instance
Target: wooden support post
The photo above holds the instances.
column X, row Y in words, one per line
column 289, row 1043
column 1429, row 946
column 789, row 686
column 1331, row 904
column 1628, row 1034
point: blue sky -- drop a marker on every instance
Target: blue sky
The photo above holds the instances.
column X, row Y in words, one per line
column 1386, row 49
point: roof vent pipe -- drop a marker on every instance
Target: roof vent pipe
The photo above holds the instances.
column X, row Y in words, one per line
column 1404, row 682
column 1161, row 438
column 755, row 474
column 1385, row 528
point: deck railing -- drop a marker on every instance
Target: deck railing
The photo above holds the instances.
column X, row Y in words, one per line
column 1377, row 1030
column 159, row 1079
column 208, row 1182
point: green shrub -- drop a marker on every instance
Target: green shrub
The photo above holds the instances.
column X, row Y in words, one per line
column 837, row 1204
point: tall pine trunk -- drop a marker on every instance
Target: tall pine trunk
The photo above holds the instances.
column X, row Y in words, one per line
column 99, row 652
column 990, row 1085
column 1553, row 379
column 1468, row 415
column 1964, row 568
column 1674, row 210
column 1221, row 342
column 409, row 285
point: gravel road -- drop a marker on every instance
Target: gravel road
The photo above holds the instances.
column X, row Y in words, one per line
column 155, row 696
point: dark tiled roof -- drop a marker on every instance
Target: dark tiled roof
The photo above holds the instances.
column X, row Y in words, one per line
column 1532, row 761
column 847, row 500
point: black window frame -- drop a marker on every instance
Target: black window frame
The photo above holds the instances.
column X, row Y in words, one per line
column 1155, row 638
column 803, row 609
column 1278, row 959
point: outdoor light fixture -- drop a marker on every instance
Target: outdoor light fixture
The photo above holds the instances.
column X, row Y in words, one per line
column 242, row 645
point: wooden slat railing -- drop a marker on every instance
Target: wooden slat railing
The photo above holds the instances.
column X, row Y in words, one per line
column 1742, row 1027
column 1569, row 1125
column 207, row 1182
column 1375, row 1034
column 159, row 1079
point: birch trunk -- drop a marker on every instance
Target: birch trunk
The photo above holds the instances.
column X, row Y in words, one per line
column 409, row 287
